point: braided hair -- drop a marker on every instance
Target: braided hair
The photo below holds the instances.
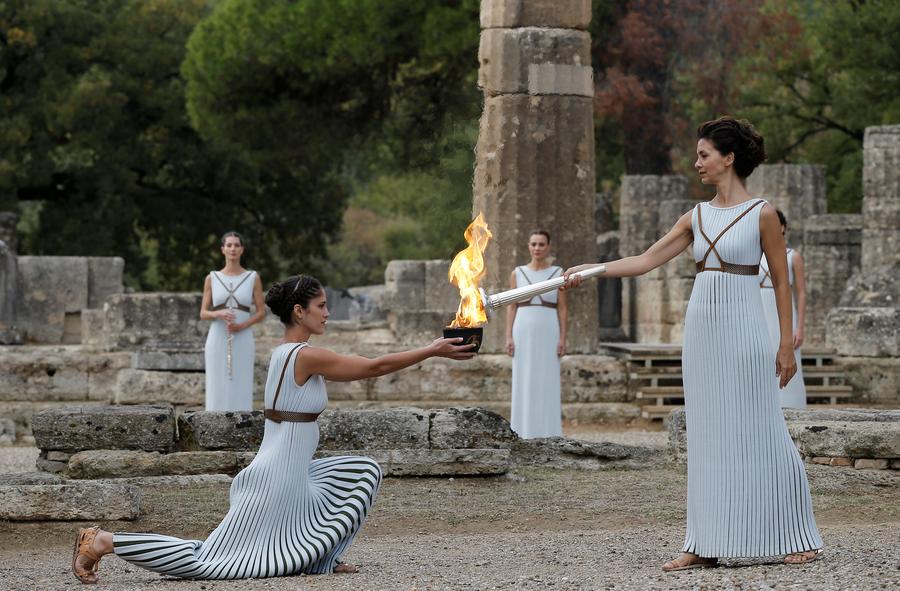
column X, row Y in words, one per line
column 738, row 137
column 298, row 289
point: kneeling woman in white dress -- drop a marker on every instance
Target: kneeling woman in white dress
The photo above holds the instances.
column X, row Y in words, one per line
column 536, row 339
column 289, row 514
column 794, row 394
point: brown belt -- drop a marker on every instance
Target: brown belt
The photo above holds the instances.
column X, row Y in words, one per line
column 278, row 416
column 730, row 268
column 543, row 304
column 241, row 307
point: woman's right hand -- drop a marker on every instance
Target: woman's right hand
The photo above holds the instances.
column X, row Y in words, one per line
column 572, row 280
column 225, row 315
column 452, row 349
column 510, row 347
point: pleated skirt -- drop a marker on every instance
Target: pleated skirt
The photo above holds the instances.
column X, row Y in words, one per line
column 288, row 515
column 536, row 407
column 748, row 494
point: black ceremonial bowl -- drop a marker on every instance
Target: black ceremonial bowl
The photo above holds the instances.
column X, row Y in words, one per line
column 469, row 335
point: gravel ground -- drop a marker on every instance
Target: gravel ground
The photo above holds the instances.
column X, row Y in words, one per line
column 535, row 529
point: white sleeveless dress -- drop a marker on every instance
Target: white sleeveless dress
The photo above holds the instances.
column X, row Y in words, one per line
column 536, row 409
column 748, row 494
column 794, row 394
column 230, row 390
column 289, row 514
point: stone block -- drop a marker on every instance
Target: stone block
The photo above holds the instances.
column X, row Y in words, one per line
column 593, row 378
column 168, row 360
column 70, row 502
column 404, row 283
column 881, row 197
column 869, row 439
column 93, row 333
column 104, row 279
column 414, row 327
column 136, row 386
column 535, row 61
column 8, row 233
column 600, row 412
column 209, row 430
column 845, row 415
column 22, row 478
column 562, row 453
column 843, row 462
column 468, row 428
column 103, row 463
column 799, row 190
column 9, row 287
column 57, row 374
column 157, row 320
column 440, row 295
column 7, row 431
column 864, row 331
column 639, row 209
column 566, row 14
column 49, row 288
column 875, row 379
column 77, row 428
column 869, row 464
column 676, row 424
column 486, row 377
column 396, row 428
column 531, row 150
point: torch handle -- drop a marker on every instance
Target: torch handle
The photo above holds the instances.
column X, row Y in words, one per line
column 526, row 292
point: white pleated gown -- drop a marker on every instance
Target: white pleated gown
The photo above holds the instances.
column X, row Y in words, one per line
column 748, row 494
column 794, row 394
column 289, row 514
column 536, row 409
column 234, row 390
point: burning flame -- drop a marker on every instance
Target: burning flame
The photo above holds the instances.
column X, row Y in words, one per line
column 466, row 271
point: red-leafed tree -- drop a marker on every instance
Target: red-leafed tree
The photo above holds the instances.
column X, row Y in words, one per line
column 665, row 64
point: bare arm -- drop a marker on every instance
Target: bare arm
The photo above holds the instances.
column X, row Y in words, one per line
column 511, row 319
column 562, row 311
column 800, row 293
column 206, row 304
column 258, row 303
column 774, row 249
column 347, row 368
column 661, row 252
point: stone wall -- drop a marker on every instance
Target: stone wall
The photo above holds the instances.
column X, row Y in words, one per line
column 52, row 292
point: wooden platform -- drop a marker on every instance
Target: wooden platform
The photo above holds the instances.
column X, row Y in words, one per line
column 655, row 372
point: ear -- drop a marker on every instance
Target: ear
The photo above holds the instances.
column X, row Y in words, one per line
column 729, row 159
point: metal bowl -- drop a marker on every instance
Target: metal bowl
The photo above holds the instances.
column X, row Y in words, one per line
column 469, row 335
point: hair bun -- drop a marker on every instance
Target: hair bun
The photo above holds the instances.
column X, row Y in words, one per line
column 275, row 298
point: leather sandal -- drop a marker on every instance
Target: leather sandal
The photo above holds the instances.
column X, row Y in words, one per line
column 804, row 557
column 84, row 546
column 696, row 562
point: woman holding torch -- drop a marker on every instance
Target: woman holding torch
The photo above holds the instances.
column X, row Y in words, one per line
column 536, row 339
column 748, row 494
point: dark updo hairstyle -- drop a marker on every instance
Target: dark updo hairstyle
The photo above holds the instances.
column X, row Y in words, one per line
column 781, row 218
column 738, row 137
column 227, row 235
column 540, row 232
column 299, row 289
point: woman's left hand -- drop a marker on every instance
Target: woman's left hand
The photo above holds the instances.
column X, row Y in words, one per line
column 785, row 365
column 798, row 339
column 234, row 327
column 561, row 349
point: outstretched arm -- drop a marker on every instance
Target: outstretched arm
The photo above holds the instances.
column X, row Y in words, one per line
column 773, row 246
column 347, row 368
column 661, row 252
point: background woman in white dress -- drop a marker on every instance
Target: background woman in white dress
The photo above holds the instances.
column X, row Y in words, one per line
column 289, row 514
column 230, row 352
column 748, row 494
column 794, row 394
column 536, row 339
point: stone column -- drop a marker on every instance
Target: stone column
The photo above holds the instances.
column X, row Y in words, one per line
column 865, row 329
column 643, row 219
column 798, row 190
column 535, row 153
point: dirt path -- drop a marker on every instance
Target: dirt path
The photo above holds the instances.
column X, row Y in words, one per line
column 537, row 529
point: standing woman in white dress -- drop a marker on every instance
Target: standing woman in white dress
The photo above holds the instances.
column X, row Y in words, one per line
column 230, row 351
column 794, row 394
column 748, row 494
column 536, row 339
column 289, row 514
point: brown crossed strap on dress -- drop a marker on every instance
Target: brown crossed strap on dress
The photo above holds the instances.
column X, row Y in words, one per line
column 231, row 296
column 724, row 266
column 543, row 303
column 766, row 275
column 278, row 416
